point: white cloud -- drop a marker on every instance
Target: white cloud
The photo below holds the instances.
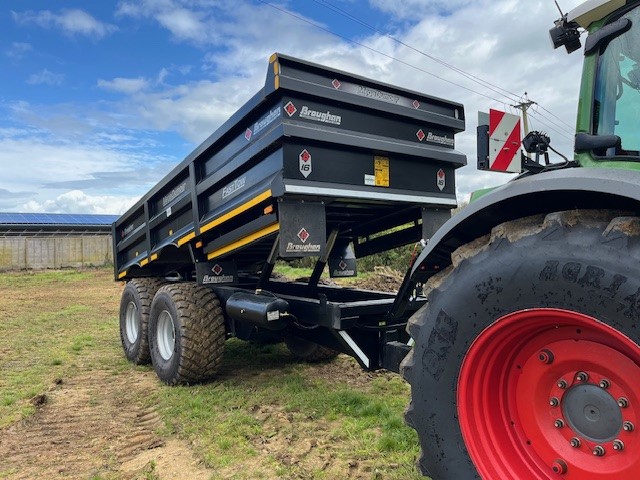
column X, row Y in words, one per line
column 39, row 174
column 18, row 49
column 70, row 21
column 45, row 77
column 184, row 24
column 414, row 9
column 124, row 85
column 237, row 46
column 76, row 201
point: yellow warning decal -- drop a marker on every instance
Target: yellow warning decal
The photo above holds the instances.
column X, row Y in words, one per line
column 381, row 168
column 122, row 275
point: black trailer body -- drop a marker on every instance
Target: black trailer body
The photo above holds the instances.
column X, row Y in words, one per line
column 318, row 163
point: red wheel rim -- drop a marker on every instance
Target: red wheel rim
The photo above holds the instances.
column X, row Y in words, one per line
column 548, row 394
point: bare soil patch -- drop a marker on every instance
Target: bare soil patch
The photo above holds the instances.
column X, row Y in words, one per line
column 93, row 425
column 90, row 422
column 93, row 420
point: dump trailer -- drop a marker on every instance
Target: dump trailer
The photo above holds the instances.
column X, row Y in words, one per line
column 319, row 163
column 526, row 362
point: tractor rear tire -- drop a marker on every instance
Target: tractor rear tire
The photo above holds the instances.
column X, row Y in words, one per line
column 135, row 305
column 527, row 358
column 309, row 351
column 186, row 334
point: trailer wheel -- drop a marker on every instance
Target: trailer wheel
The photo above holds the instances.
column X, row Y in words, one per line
column 135, row 305
column 309, row 351
column 186, row 334
column 526, row 361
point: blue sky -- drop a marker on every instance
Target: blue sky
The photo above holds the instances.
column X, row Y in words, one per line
column 98, row 100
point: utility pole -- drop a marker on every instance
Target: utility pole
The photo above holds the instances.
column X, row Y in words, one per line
column 523, row 107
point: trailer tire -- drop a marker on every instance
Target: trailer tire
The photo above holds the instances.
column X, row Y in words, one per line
column 509, row 353
column 135, row 305
column 309, row 351
column 186, row 334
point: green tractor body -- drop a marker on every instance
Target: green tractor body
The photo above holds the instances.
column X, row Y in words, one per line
column 526, row 363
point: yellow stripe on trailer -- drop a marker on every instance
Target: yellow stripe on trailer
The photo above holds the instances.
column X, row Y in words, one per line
column 236, row 211
column 186, row 238
column 122, row 275
column 244, row 241
column 144, row 262
column 154, row 257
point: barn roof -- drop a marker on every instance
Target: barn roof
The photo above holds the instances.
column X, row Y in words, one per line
column 54, row 224
column 56, row 219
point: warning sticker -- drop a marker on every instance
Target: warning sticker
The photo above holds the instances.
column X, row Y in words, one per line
column 381, row 169
column 441, row 179
column 305, row 163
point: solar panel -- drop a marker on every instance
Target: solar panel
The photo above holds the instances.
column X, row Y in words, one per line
column 55, row 219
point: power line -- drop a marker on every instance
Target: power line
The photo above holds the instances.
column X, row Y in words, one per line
column 558, row 118
column 494, row 88
column 391, row 57
column 562, row 126
column 564, row 135
column 513, row 97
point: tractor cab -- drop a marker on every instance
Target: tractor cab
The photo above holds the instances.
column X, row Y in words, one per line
column 608, row 120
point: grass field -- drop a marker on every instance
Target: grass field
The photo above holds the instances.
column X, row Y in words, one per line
column 72, row 407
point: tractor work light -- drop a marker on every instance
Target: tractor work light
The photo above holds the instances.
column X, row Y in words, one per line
column 565, row 33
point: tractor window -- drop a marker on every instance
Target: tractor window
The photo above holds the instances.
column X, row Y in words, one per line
column 617, row 94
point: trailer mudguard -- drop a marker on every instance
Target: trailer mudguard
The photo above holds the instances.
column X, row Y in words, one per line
column 558, row 190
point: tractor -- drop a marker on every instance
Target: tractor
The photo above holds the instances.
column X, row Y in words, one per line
column 526, row 362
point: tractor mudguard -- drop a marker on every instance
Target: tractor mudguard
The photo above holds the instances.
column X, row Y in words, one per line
column 567, row 189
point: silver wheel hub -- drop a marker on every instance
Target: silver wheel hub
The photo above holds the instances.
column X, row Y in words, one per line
column 166, row 335
column 132, row 322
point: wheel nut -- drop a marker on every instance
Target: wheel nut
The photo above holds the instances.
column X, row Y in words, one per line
column 554, row 402
column 623, row 402
column 582, row 376
column 575, row 442
column 559, row 423
column 546, row 356
column 599, row 451
column 604, row 383
column 618, row 445
column 559, row 466
column 562, row 383
column 627, row 426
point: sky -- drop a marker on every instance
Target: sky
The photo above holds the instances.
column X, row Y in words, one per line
column 99, row 100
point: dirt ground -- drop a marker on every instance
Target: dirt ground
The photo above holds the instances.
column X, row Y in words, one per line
column 93, row 424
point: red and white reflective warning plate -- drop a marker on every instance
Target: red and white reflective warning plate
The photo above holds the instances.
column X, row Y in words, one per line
column 504, row 142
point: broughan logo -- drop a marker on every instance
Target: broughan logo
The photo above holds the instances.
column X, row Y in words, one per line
column 440, row 139
column 324, row 117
